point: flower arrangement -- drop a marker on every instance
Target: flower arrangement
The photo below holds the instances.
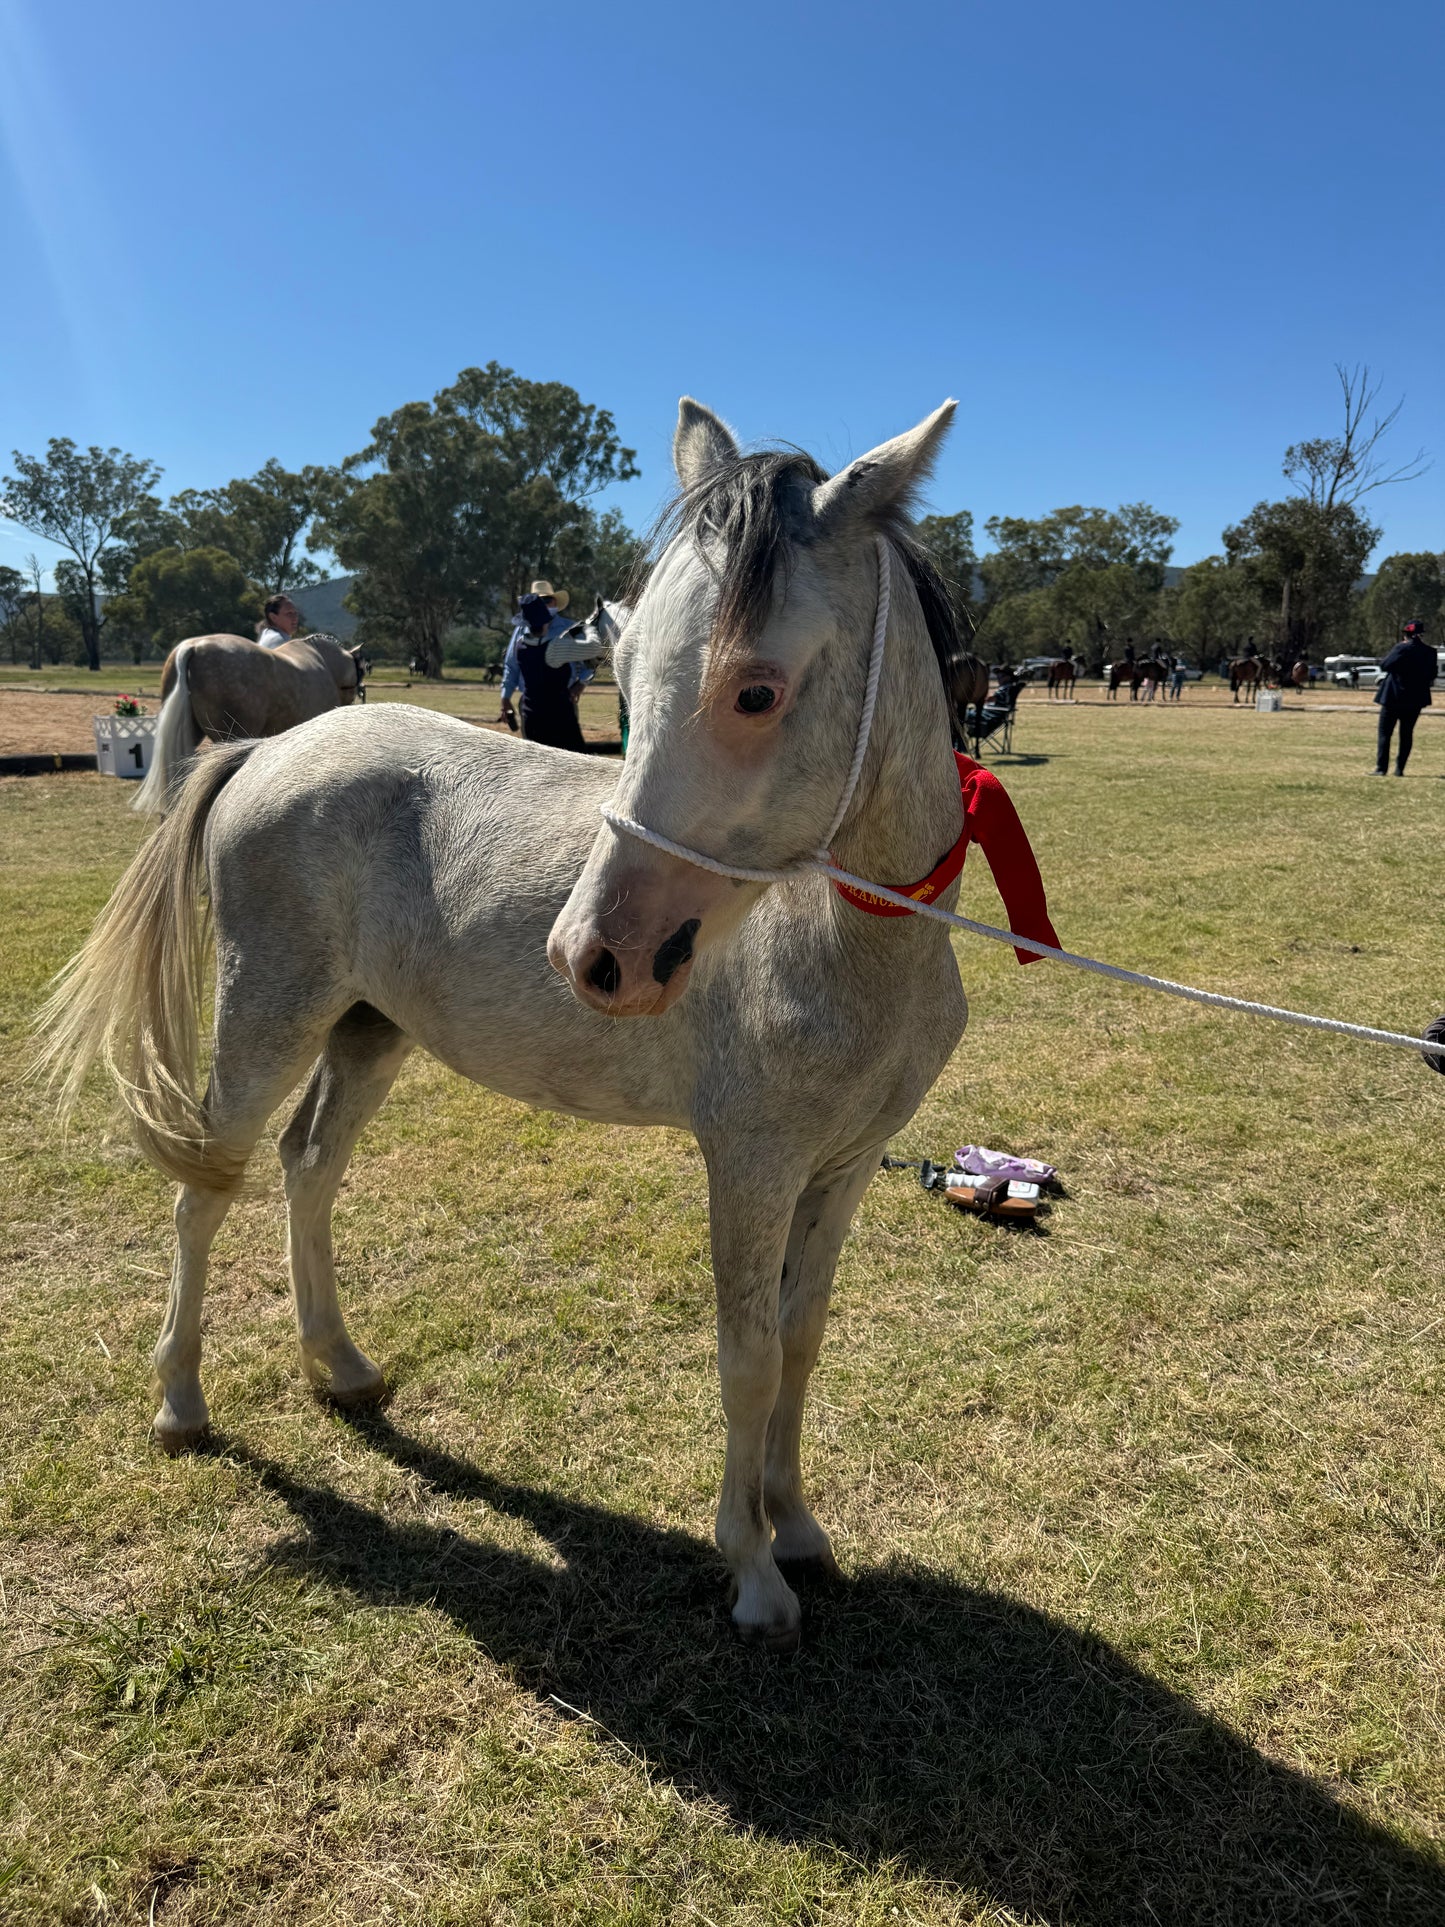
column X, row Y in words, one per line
column 130, row 706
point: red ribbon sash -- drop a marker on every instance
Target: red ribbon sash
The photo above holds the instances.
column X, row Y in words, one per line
column 991, row 821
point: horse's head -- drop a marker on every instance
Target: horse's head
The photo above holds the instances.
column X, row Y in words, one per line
column 603, row 627
column 743, row 667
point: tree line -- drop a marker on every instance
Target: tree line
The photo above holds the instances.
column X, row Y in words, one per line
column 1287, row 574
column 445, row 515
column 456, row 503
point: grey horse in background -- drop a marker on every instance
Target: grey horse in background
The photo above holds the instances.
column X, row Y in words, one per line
column 390, row 879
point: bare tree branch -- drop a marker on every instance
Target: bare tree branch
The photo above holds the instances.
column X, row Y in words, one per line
column 1334, row 471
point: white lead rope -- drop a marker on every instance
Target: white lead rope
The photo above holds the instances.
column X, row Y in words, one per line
column 823, row 864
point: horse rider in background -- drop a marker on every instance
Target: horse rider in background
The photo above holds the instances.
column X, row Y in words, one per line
column 280, row 619
column 1404, row 691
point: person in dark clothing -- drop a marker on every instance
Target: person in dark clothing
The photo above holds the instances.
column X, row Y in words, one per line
column 544, row 670
column 1404, row 691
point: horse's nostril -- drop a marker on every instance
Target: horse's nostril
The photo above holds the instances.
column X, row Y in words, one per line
column 604, row 974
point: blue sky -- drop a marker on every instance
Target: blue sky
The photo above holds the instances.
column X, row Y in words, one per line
column 1133, row 241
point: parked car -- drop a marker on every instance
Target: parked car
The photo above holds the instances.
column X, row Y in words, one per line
column 1037, row 667
column 1350, row 671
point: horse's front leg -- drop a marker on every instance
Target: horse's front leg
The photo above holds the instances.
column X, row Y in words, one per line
column 750, row 1229
column 820, row 1224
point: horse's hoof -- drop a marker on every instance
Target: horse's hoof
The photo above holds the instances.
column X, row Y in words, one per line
column 782, row 1637
column 371, row 1391
column 173, row 1438
column 348, row 1379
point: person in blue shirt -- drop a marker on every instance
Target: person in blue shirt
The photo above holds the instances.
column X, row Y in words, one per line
column 541, row 663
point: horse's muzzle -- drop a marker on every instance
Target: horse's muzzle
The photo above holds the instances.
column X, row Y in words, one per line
column 623, row 976
column 628, row 936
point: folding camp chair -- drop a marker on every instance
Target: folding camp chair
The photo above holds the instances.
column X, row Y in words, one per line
column 993, row 721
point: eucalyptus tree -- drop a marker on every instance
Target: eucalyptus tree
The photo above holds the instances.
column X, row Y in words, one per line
column 13, row 591
column 174, row 593
column 949, row 540
column 1305, row 559
column 78, row 499
column 419, row 517
column 1406, row 586
column 1307, row 552
column 262, row 520
column 560, row 452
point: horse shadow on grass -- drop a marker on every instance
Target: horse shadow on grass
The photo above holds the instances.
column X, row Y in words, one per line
column 957, row 1732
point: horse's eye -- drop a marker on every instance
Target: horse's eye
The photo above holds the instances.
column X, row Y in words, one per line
column 757, row 699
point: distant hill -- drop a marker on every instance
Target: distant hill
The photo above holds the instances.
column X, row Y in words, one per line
column 321, row 605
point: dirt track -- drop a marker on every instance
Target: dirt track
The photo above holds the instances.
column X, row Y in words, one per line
column 35, row 723
column 42, row 723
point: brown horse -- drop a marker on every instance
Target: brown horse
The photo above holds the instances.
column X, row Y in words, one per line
column 1246, row 672
column 1063, row 675
column 225, row 687
column 1136, row 674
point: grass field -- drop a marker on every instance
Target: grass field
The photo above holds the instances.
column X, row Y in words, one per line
column 1143, row 1514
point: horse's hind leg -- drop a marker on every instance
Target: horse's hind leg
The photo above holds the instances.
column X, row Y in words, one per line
column 254, row 1065
column 183, row 1416
column 348, row 1086
column 820, row 1225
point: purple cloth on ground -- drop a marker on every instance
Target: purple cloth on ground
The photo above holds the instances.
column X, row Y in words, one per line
column 983, row 1163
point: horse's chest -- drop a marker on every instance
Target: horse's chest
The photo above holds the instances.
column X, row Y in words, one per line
column 847, row 1058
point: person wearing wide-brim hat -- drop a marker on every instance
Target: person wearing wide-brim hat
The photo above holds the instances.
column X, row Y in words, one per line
column 558, row 598
column 541, row 662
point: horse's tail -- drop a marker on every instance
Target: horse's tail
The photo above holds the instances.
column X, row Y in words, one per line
column 131, row 996
column 176, row 741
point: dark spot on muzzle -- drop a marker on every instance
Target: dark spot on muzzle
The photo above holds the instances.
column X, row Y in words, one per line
column 676, row 951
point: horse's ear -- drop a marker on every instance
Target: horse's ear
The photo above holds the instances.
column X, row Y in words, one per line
column 886, row 478
column 600, row 610
column 701, row 444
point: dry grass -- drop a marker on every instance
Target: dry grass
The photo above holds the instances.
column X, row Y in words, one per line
column 1143, row 1517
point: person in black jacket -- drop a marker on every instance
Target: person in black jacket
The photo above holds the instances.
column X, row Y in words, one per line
column 1404, row 691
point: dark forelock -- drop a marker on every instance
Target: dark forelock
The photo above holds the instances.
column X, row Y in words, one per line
column 747, row 516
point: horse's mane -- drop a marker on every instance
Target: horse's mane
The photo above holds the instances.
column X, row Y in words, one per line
column 748, row 516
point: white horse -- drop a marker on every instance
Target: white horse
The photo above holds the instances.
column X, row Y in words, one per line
column 386, row 879
column 606, row 623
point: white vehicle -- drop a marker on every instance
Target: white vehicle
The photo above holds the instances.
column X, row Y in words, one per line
column 1355, row 672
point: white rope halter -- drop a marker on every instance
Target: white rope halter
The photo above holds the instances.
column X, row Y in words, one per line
column 822, row 860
